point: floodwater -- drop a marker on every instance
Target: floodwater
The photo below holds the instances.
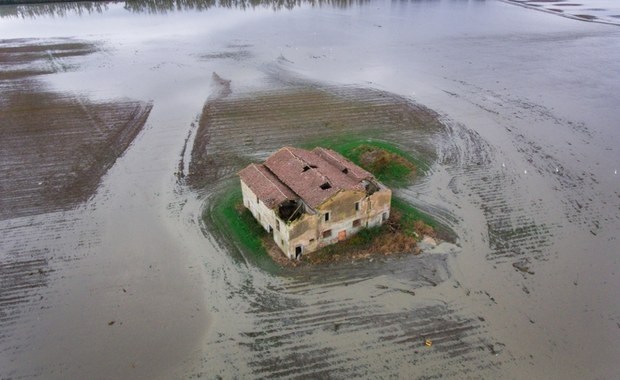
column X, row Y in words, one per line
column 516, row 109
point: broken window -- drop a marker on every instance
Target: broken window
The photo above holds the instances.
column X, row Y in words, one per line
column 327, row 216
column 326, row 186
column 327, row 233
column 357, row 223
column 306, row 168
column 345, row 171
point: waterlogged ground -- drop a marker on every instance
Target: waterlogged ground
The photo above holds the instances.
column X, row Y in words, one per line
column 120, row 126
column 603, row 11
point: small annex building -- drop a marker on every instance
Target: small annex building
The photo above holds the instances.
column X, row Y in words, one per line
column 309, row 199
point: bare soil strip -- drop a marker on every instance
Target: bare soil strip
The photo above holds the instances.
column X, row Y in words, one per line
column 56, row 147
column 235, row 130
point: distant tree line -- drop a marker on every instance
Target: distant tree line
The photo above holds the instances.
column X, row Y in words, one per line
column 33, row 8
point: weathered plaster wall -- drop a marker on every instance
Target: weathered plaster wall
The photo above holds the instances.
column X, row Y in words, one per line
column 377, row 205
column 309, row 229
column 266, row 217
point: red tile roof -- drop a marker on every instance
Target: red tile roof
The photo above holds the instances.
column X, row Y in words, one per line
column 265, row 185
column 313, row 176
column 353, row 171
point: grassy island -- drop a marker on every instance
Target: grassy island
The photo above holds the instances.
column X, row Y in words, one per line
column 405, row 227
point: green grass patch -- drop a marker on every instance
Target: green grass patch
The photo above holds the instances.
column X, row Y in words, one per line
column 411, row 214
column 237, row 226
column 390, row 164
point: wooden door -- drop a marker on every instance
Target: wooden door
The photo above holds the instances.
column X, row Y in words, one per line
column 342, row 235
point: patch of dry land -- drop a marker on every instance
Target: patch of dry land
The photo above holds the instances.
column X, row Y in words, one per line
column 55, row 146
column 235, row 129
column 232, row 126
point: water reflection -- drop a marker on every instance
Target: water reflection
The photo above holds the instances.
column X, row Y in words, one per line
column 51, row 9
column 162, row 6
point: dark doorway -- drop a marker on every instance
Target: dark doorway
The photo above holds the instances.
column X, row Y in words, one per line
column 298, row 252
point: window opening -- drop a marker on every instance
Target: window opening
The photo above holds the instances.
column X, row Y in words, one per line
column 327, row 216
column 357, row 206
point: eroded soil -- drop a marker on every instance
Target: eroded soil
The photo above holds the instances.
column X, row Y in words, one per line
column 56, row 146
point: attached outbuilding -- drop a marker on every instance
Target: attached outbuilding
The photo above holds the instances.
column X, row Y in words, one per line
column 309, row 199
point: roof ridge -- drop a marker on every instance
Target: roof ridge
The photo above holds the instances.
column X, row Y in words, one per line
column 326, row 151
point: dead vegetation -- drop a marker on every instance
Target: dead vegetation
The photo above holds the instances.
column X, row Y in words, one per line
column 384, row 163
column 396, row 237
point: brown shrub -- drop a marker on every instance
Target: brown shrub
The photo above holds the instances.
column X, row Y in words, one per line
column 423, row 229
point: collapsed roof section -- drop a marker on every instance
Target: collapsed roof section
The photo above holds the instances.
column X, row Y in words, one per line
column 293, row 177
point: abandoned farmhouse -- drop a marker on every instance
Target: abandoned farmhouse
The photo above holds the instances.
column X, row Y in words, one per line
column 309, row 199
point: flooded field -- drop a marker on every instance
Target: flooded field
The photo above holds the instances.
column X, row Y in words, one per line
column 122, row 123
column 603, row 11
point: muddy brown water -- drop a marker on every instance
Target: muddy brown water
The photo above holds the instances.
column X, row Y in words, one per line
column 120, row 278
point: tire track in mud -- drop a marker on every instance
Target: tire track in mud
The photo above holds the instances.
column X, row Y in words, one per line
column 521, row 225
column 361, row 335
column 514, row 230
column 365, row 319
column 28, row 268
